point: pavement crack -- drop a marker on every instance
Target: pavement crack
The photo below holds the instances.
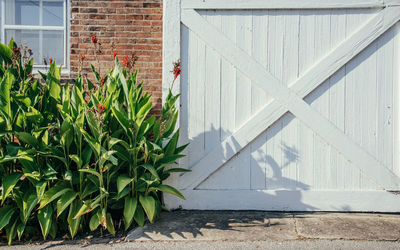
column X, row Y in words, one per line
column 295, row 227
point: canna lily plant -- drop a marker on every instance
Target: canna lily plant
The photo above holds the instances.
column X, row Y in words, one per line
column 83, row 156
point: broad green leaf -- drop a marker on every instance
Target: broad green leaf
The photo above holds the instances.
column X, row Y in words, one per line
column 5, row 53
column 53, row 229
column 143, row 112
column 171, row 146
column 114, row 141
column 45, row 217
column 93, row 125
column 20, row 230
column 73, row 224
column 5, row 102
column 40, row 188
column 53, row 193
column 110, row 224
column 65, row 200
column 96, row 147
column 94, row 222
column 122, row 181
column 178, row 150
column 33, row 115
column 125, row 88
column 77, row 99
column 149, row 206
column 9, row 182
column 108, row 156
column 139, row 216
column 67, row 133
column 89, row 189
column 11, row 232
column 122, row 119
column 151, row 169
column 167, row 189
column 13, row 149
column 156, row 130
column 129, row 211
column 53, row 81
column 5, row 215
column 77, row 160
column 97, row 76
column 87, row 207
column 91, row 171
column 168, row 160
column 28, row 139
column 123, row 193
column 26, row 101
column 29, row 201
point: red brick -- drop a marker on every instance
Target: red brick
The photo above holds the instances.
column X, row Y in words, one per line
column 124, row 27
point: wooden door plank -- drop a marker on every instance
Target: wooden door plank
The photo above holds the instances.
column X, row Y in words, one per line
column 291, row 100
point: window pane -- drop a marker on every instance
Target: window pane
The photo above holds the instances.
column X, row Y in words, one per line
column 53, row 45
column 28, row 38
column 25, row 12
column 53, row 13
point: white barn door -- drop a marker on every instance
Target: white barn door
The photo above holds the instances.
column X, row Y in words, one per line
column 287, row 105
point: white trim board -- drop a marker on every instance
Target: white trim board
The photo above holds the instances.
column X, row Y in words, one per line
column 287, row 200
column 281, row 4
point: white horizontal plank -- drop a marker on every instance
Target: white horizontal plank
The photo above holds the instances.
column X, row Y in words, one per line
column 281, row 4
column 391, row 2
column 286, row 200
column 287, row 98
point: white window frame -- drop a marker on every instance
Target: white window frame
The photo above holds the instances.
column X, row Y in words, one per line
column 65, row 28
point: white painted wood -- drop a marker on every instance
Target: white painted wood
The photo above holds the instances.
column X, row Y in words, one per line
column 212, row 90
column 330, row 86
column 228, row 81
column 243, row 41
column 289, row 200
column 337, row 110
column 235, row 175
column 396, row 100
column 196, row 103
column 281, row 4
column 391, row 2
column 171, row 43
column 258, row 154
column 186, row 48
column 322, row 70
column 289, row 99
column 171, row 53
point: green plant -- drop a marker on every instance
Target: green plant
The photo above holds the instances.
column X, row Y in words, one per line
column 84, row 155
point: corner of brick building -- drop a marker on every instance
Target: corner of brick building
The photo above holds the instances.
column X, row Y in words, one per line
column 123, row 27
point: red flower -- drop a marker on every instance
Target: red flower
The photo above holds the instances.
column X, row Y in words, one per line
column 94, row 38
column 114, row 54
column 101, row 107
column 50, row 60
column 177, row 72
column 125, row 61
column 83, row 57
column 177, row 69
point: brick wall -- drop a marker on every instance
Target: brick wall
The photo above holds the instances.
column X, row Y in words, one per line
column 123, row 27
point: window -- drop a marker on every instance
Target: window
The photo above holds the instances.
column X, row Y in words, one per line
column 39, row 24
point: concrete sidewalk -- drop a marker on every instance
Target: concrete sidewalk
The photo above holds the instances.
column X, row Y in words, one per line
column 262, row 226
column 252, row 230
